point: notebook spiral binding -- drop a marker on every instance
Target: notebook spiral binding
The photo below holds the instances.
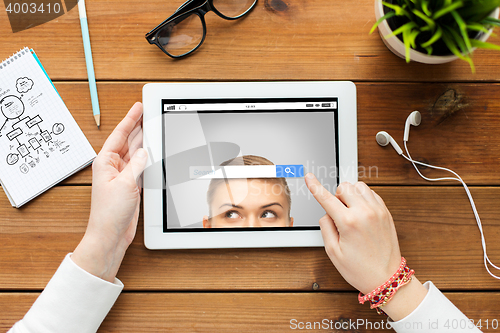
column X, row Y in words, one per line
column 14, row 57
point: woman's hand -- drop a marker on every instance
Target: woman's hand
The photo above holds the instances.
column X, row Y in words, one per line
column 360, row 239
column 116, row 188
column 359, row 234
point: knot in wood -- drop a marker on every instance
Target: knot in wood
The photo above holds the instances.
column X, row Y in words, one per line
column 447, row 104
column 277, row 6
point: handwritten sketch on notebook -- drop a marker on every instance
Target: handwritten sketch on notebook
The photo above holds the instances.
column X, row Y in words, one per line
column 29, row 138
column 40, row 142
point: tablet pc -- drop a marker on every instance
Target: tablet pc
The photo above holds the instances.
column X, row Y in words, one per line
column 227, row 161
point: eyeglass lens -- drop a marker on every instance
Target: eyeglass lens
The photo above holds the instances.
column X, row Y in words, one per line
column 186, row 32
column 182, row 35
column 233, row 8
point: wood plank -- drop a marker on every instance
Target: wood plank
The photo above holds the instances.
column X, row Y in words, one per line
column 292, row 40
column 436, row 229
column 248, row 312
column 458, row 131
column 459, row 127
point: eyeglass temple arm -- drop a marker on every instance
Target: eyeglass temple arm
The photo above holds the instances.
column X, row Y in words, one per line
column 184, row 5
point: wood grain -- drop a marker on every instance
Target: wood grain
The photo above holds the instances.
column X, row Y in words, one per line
column 458, row 131
column 199, row 291
column 436, row 229
column 242, row 312
column 459, row 127
column 279, row 40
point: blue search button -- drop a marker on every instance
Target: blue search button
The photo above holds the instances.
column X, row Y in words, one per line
column 290, row 171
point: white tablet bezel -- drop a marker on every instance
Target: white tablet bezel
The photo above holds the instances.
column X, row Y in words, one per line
column 153, row 93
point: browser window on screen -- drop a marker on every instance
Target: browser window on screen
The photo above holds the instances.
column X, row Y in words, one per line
column 239, row 165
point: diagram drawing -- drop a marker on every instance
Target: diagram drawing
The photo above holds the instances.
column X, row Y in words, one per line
column 29, row 138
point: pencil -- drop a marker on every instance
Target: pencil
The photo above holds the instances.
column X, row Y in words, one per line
column 90, row 64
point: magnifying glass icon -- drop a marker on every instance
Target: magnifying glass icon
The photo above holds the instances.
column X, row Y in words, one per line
column 288, row 170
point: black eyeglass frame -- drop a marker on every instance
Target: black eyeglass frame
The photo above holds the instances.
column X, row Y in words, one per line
column 183, row 12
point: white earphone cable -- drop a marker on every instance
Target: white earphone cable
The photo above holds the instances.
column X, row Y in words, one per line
column 473, row 205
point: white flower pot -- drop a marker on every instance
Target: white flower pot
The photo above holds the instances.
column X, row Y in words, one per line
column 398, row 48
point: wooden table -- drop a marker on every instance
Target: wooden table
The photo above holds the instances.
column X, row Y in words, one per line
column 250, row 290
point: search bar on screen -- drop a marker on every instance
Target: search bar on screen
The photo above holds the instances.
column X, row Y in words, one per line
column 247, row 171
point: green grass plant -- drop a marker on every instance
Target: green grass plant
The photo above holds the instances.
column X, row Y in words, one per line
column 423, row 25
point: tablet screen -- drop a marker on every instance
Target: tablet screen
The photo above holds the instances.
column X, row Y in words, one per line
column 239, row 165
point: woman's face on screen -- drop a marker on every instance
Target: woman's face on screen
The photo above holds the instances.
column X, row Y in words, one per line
column 249, row 203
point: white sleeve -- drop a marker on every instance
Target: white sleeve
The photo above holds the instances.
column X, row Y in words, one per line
column 73, row 301
column 436, row 313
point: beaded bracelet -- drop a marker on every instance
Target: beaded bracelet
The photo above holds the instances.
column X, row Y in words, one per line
column 384, row 293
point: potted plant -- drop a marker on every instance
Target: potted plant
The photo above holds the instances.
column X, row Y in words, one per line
column 436, row 31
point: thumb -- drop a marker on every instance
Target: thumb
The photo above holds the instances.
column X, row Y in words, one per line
column 135, row 166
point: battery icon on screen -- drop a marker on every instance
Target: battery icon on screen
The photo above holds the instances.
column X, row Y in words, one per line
column 326, row 105
column 309, row 105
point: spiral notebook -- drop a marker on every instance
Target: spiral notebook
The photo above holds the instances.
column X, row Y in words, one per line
column 40, row 142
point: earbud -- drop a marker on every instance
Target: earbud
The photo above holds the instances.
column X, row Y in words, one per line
column 383, row 138
column 413, row 119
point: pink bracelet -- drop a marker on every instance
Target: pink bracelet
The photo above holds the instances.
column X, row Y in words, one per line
column 384, row 293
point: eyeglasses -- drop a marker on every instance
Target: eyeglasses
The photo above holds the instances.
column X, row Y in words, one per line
column 185, row 31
